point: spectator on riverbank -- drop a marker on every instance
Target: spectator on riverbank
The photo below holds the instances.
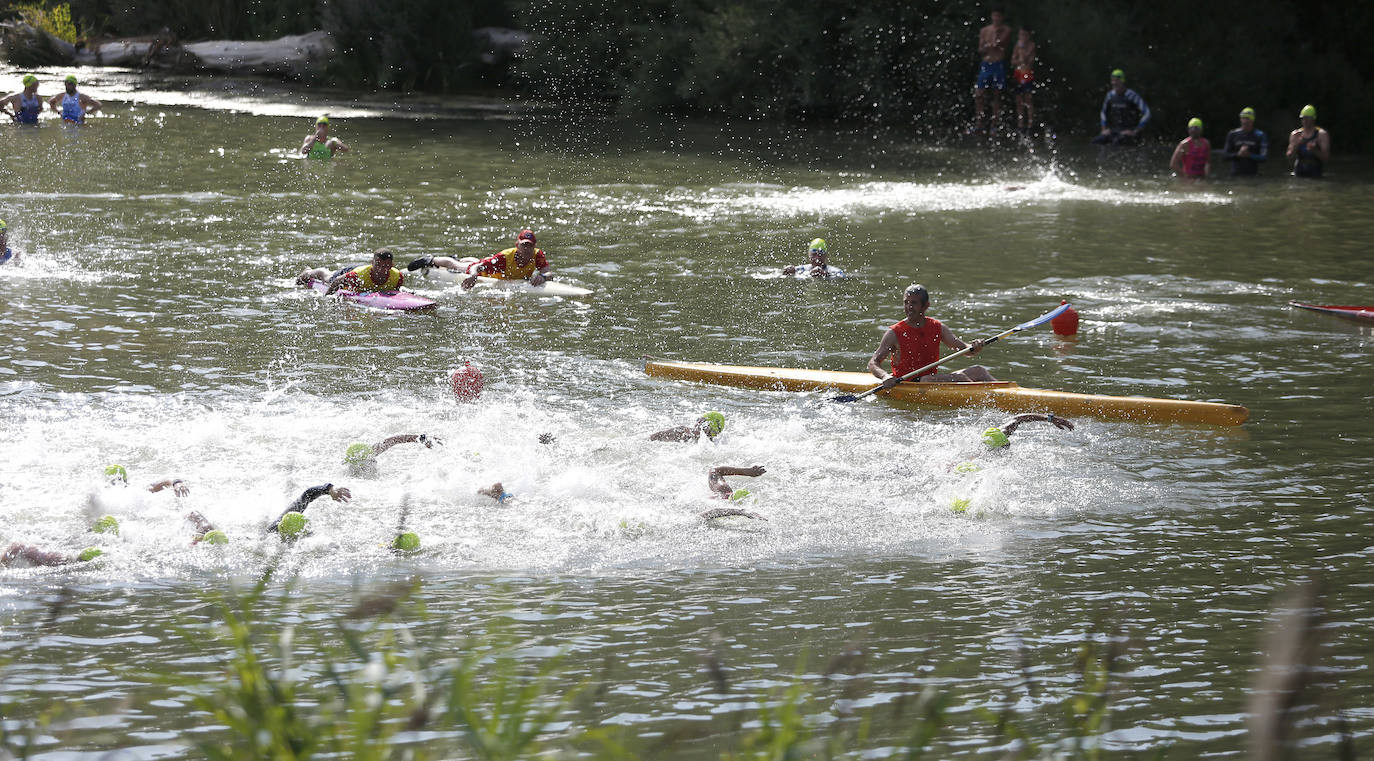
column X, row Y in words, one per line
column 73, row 105
column 1309, row 146
column 993, row 41
column 6, row 255
column 25, row 105
column 319, row 145
column 1023, row 76
column 1193, row 155
column 1124, row 114
column 1246, row 146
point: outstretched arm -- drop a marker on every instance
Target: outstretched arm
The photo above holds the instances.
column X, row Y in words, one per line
column 405, row 438
column 677, row 433
column 1031, row 417
column 177, row 486
column 338, row 493
column 715, row 478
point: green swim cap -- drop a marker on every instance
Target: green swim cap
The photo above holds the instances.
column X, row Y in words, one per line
column 1194, row 122
column 1308, row 111
column 3, row 226
column 715, row 423
column 292, row 524
column 406, row 542
column 967, row 467
column 960, row 504
column 90, row 553
column 71, row 78
column 106, row 524
column 322, row 120
column 117, row 471
column 995, row 438
column 30, row 79
column 1119, row 74
column 1247, row 113
column 358, row 453
column 819, row 245
column 215, row 537
column 740, row 494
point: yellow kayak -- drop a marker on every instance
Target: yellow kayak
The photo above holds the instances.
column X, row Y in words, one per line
column 1002, row 395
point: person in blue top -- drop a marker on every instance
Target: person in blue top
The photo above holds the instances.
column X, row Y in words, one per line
column 73, row 105
column 6, row 254
column 25, row 106
column 1246, row 146
column 1124, row 114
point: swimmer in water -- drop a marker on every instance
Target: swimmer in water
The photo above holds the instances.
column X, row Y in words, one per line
column 6, row 255
column 117, row 475
column 25, row 105
column 336, row 493
column 999, row 438
column 319, row 145
column 72, row 104
column 1193, row 156
column 362, row 458
column 711, row 424
column 715, row 478
column 818, row 265
column 22, row 555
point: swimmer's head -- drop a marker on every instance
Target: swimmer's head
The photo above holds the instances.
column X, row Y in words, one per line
column 715, row 423
column 322, row 120
column 358, row 454
column 30, row 80
column 818, row 245
column 1195, row 124
column 71, row 79
column 1308, row 112
column 995, row 438
column 3, row 227
column 117, row 474
column 1118, row 76
column 1247, row 113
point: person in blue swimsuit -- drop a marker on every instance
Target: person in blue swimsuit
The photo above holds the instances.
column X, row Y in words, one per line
column 73, row 105
column 6, row 255
column 993, row 42
column 25, row 106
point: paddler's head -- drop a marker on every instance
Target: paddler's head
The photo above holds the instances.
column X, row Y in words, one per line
column 524, row 247
column 712, row 423
column 70, row 84
column 915, row 301
column 818, row 252
column 381, row 264
column 30, row 84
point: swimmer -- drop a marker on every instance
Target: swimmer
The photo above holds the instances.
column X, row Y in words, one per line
column 20, row 555
column 319, row 145
column 1124, row 114
column 362, row 458
column 1309, row 146
column 1193, row 156
column 336, row 493
column 999, row 438
column 711, row 424
column 73, row 105
column 6, row 255
column 914, row 342
column 715, row 478
column 116, row 475
column 378, row 275
column 24, row 106
column 818, row 265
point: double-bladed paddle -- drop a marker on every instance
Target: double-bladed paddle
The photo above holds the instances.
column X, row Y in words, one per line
column 1041, row 320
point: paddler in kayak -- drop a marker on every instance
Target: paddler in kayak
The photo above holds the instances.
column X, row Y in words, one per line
column 710, row 423
column 319, row 145
column 817, row 266
column 6, row 255
column 915, row 342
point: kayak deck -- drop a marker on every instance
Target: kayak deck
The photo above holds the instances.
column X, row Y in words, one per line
column 1003, row 395
column 1363, row 314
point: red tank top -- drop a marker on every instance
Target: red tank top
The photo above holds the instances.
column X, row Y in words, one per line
column 916, row 347
column 1195, row 157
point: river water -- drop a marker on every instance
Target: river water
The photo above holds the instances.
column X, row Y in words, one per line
column 154, row 324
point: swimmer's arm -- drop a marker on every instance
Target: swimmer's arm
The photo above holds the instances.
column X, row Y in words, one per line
column 337, row 146
column 1263, row 149
column 1032, row 417
column 885, row 348
column 790, row 269
column 405, row 438
column 90, row 104
column 338, row 493
column 177, row 486
column 202, row 525
column 309, row 142
column 33, row 556
column 1323, row 145
column 55, row 102
column 715, row 478
column 677, row 433
column 1176, row 160
column 1294, row 138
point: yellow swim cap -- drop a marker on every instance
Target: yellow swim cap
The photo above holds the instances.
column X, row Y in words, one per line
column 995, row 438
column 358, row 453
column 818, row 245
column 117, row 471
column 30, row 79
column 3, row 226
column 322, row 120
column 71, row 79
column 1194, row 122
column 715, row 423
column 1119, row 74
column 1308, row 111
column 1247, row 113
column 739, row 494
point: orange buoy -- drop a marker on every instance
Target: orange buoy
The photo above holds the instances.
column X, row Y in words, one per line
column 467, row 382
column 1065, row 324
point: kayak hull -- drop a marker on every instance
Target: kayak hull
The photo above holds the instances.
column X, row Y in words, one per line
column 549, row 288
column 1002, row 395
column 1360, row 314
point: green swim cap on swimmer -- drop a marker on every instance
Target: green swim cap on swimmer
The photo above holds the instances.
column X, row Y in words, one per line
column 117, row 472
column 715, row 423
column 322, row 120
column 1308, row 111
column 1194, row 122
column 30, row 79
column 739, row 495
column 3, row 226
column 90, row 553
column 406, row 542
column 215, row 537
column 71, row 79
column 106, row 524
column 1119, row 74
column 995, row 438
column 819, row 245
column 358, row 453
column 1247, row 113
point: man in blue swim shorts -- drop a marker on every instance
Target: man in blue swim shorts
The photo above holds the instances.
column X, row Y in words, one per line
column 993, row 42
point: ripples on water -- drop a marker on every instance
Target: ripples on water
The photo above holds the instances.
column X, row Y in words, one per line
column 154, row 325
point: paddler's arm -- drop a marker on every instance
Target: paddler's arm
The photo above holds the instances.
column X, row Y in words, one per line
column 404, row 438
column 486, row 266
column 875, row 363
column 954, row 342
column 542, row 269
column 177, row 486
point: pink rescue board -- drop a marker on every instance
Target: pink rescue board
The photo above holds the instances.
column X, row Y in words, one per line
column 394, row 300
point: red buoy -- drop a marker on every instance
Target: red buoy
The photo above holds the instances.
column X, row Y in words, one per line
column 467, row 382
column 1065, row 324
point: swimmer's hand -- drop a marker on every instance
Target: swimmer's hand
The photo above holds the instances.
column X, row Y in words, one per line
column 180, row 488
column 340, row 494
column 469, row 283
column 755, row 471
column 430, row 441
column 790, row 269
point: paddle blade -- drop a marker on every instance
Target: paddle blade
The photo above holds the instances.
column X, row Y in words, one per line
column 1044, row 318
column 844, row 398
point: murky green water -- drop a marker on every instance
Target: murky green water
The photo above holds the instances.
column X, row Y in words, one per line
column 154, row 324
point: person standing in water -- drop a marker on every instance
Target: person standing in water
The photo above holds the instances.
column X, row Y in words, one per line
column 6, row 255
column 1193, row 156
column 1246, row 147
column 24, row 106
column 1023, row 75
column 319, row 145
column 72, row 104
column 1309, row 146
column 1124, row 113
column 915, row 342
